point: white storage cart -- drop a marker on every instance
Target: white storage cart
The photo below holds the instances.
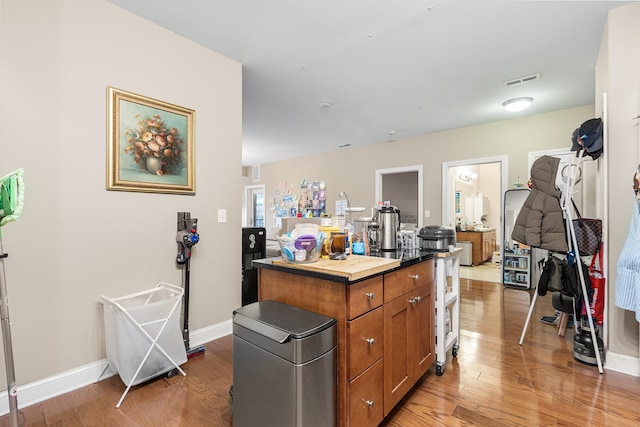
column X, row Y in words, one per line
column 447, row 265
column 143, row 335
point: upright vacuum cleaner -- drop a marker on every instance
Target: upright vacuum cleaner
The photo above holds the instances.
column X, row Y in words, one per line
column 186, row 238
column 11, row 201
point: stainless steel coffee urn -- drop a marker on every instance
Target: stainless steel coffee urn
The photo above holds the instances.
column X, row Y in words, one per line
column 389, row 221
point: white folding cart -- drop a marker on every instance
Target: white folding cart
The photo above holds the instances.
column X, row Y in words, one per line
column 447, row 299
column 143, row 335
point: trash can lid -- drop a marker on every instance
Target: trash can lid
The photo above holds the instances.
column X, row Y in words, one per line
column 294, row 321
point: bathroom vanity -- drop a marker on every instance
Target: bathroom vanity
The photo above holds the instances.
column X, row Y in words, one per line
column 483, row 244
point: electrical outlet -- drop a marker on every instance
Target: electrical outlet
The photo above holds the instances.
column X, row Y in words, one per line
column 222, row 215
column 427, row 213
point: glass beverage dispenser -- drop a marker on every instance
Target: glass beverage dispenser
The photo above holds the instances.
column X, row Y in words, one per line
column 360, row 238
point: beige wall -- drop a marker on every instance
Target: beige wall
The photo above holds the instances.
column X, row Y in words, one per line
column 618, row 72
column 75, row 240
column 353, row 170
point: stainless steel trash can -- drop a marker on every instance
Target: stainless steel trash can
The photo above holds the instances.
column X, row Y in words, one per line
column 466, row 257
column 284, row 367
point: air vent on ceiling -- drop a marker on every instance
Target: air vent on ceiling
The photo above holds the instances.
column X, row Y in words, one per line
column 522, row 80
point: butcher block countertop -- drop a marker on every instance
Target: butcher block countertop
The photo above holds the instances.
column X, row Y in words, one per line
column 354, row 268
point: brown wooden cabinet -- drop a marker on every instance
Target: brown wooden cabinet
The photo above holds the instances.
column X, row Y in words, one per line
column 365, row 398
column 365, row 338
column 408, row 331
column 385, row 332
column 483, row 244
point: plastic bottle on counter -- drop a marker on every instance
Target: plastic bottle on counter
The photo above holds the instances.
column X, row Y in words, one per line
column 347, row 245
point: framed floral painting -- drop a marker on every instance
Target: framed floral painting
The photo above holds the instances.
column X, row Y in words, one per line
column 150, row 145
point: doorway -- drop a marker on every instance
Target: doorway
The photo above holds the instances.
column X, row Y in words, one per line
column 253, row 206
column 402, row 187
column 483, row 177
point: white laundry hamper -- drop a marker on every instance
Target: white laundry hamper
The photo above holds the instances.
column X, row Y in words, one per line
column 143, row 334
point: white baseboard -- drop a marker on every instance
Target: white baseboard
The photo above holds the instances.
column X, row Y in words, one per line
column 210, row 333
column 621, row 363
column 64, row 382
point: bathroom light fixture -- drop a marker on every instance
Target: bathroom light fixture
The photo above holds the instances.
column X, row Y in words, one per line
column 517, row 104
column 467, row 177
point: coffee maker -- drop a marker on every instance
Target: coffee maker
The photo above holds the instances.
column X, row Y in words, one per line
column 389, row 224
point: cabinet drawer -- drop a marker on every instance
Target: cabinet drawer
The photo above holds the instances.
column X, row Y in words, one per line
column 401, row 281
column 365, row 397
column 364, row 296
column 365, row 341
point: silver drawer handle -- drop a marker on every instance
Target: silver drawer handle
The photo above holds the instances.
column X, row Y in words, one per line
column 415, row 276
column 371, row 341
column 415, row 299
column 370, row 295
column 369, row 403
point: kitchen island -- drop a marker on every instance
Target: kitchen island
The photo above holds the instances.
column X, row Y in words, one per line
column 384, row 307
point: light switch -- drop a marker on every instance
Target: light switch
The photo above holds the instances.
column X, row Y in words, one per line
column 222, row 215
column 427, row 213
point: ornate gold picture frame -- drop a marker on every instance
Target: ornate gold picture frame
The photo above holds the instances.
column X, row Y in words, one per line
column 150, row 145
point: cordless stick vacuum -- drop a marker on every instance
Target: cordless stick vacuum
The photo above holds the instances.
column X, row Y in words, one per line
column 187, row 237
column 11, row 201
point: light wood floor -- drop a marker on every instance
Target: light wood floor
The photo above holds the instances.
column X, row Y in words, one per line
column 487, row 271
column 492, row 382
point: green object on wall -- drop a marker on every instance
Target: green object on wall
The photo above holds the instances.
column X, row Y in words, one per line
column 11, row 196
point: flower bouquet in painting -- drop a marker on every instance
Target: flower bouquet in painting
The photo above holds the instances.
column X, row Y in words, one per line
column 155, row 148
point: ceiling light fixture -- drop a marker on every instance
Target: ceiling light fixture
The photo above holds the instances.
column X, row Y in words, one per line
column 517, row 104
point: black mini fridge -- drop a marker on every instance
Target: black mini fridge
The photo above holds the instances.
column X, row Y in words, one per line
column 254, row 246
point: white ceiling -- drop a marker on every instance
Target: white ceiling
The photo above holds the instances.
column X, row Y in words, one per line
column 321, row 74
